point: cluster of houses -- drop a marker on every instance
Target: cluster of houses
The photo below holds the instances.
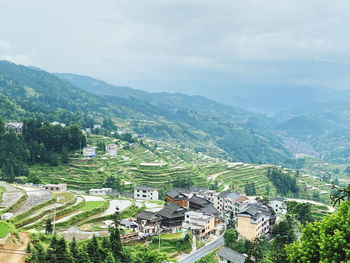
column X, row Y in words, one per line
column 201, row 210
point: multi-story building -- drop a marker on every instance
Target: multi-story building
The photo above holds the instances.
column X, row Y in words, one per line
column 145, row 192
column 256, row 220
column 149, row 222
column 172, row 215
column 200, row 223
column 278, row 205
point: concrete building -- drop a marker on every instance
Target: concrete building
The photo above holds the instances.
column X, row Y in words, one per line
column 228, row 255
column 256, row 220
column 101, row 191
column 145, row 192
column 56, row 187
column 200, row 223
column 278, row 205
column 89, row 152
column 112, row 149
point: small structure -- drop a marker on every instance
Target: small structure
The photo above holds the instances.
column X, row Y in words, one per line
column 89, row 152
column 101, row 191
column 97, row 126
column 228, row 255
column 145, row 192
column 175, row 197
column 6, row 216
column 56, row 187
column 128, row 224
column 201, row 224
column 172, row 215
column 149, row 222
column 112, row 149
column 63, row 125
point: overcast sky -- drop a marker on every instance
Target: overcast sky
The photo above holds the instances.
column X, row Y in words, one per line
column 182, row 45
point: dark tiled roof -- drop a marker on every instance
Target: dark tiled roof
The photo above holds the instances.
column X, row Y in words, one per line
column 146, row 188
column 182, row 190
column 199, row 201
column 176, row 195
column 172, row 211
column 255, row 210
column 210, row 209
column 145, row 215
column 231, row 255
column 224, row 194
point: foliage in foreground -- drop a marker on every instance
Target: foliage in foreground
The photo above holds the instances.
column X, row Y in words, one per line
column 324, row 241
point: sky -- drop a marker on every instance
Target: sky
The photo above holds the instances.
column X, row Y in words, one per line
column 183, row 45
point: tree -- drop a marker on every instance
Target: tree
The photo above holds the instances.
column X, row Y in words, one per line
column 249, row 189
column 48, row 228
column 231, row 222
column 324, row 241
column 301, row 211
column 65, row 155
column 94, row 250
column 230, row 236
column 114, row 237
column 112, row 182
column 284, row 235
column 2, row 127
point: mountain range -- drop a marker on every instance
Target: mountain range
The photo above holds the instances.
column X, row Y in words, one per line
column 319, row 126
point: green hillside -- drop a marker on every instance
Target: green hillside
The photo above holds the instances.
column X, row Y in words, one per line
column 196, row 122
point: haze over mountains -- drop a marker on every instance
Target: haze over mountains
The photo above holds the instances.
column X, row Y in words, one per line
column 313, row 126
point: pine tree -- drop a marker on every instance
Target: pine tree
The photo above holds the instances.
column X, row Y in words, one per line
column 94, row 250
column 114, row 237
column 48, row 228
column 65, row 156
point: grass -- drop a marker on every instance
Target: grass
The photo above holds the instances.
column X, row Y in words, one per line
column 158, row 202
column 91, row 205
column 173, row 235
column 4, row 229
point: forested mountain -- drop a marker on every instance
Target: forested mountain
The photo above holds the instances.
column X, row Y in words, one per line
column 197, row 122
column 247, row 135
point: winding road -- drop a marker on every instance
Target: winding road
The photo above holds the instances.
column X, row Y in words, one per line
column 203, row 251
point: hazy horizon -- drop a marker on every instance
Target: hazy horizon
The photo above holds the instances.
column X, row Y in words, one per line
column 183, row 46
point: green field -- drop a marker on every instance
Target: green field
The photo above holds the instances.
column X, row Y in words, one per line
column 4, row 229
column 91, row 205
column 158, row 164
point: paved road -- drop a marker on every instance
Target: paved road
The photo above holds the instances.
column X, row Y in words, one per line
column 203, row 251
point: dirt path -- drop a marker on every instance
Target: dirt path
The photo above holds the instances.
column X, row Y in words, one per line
column 216, row 175
column 19, row 246
column 35, row 197
column 11, row 195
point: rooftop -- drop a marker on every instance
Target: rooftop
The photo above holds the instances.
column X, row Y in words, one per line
column 172, row 211
column 146, row 188
column 146, row 215
column 174, row 194
column 231, row 255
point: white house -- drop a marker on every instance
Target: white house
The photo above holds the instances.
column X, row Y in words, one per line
column 112, row 149
column 97, row 126
column 102, row 191
column 89, row 152
column 145, row 192
column 278, row 205
column 228, row 255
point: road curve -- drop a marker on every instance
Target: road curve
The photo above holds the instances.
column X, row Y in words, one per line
column 203, row 251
